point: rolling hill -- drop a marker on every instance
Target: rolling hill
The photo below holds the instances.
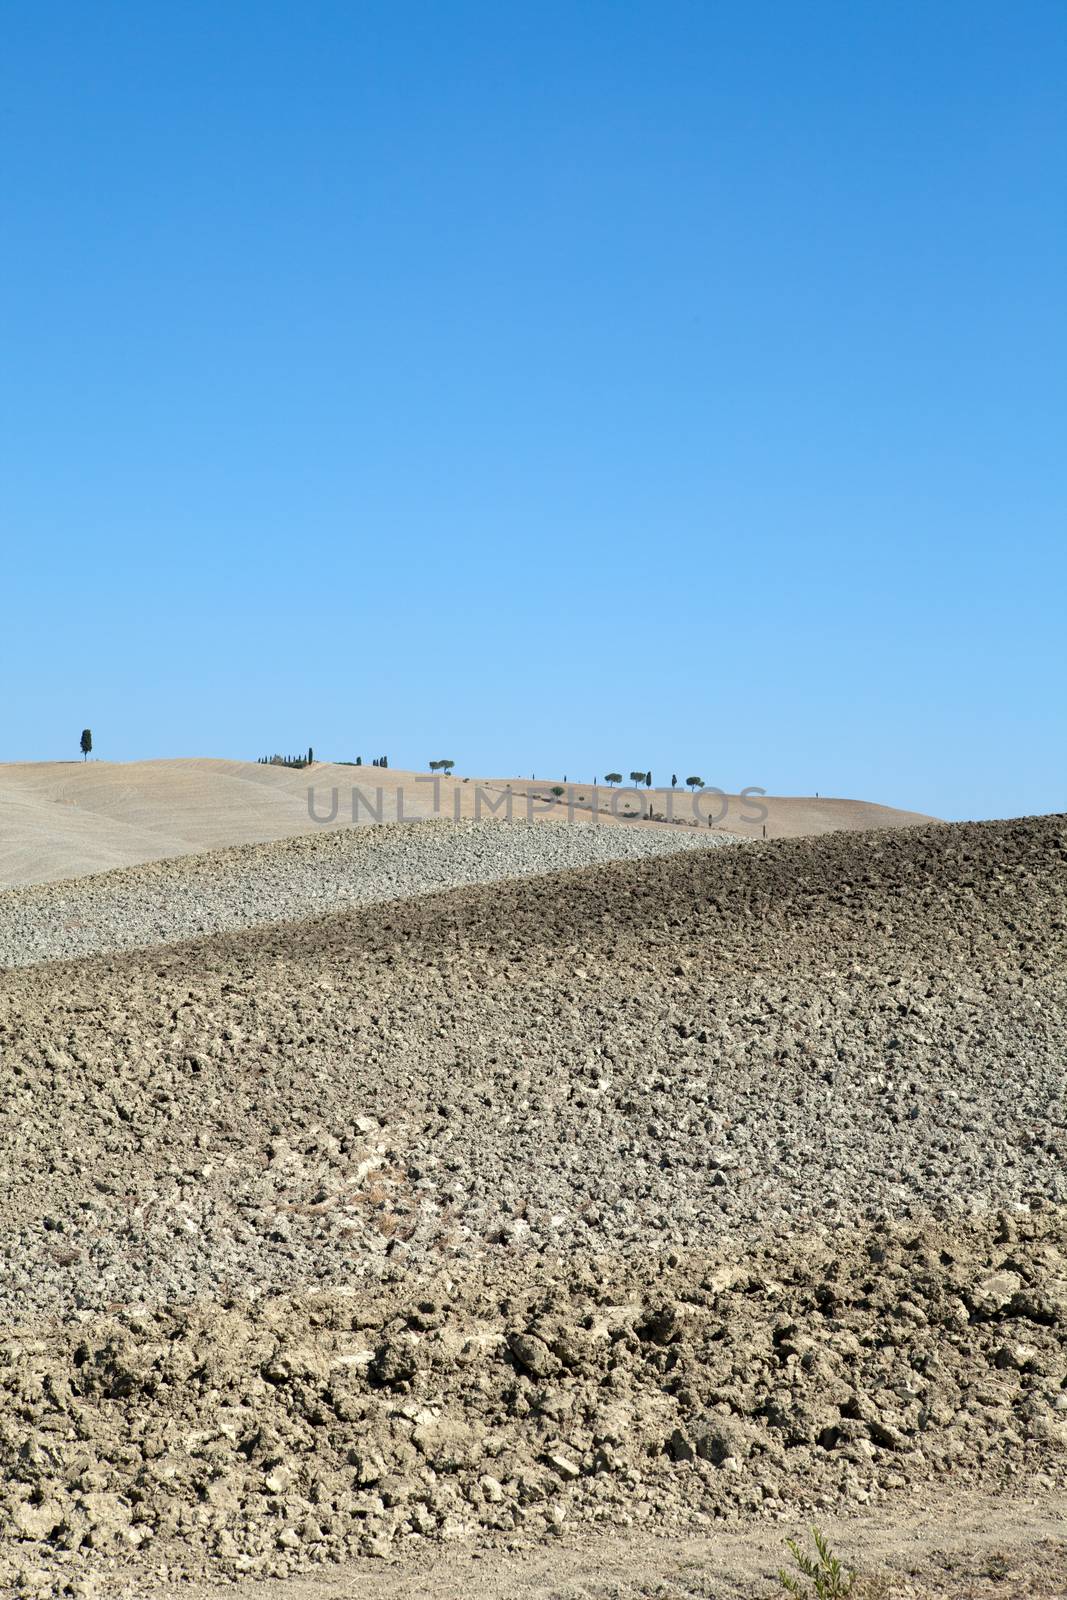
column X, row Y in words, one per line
column 68, row 819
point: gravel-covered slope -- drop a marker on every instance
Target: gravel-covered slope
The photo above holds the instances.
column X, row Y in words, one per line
column 720, row 1043
column 289, row 879
column 518, row 1401
column 729, row 1183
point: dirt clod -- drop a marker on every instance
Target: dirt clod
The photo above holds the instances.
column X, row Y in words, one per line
column 484, row 1219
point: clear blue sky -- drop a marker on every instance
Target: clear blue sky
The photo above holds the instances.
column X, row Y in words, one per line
column 551, row 386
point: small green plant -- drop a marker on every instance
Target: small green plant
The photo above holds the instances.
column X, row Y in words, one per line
column 558, row 790
column 826, row 1578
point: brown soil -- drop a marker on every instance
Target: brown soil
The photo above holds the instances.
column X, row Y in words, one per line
column 961, row 1546
column 661, row 1201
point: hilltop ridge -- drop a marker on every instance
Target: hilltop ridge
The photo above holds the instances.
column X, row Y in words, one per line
column 67, row 819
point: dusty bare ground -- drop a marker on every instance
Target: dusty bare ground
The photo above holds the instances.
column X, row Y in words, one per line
column 510, row 1403
column 65, row 819
column 941, row 1547
column 290, row 880
column 656, row 1202
column 808, row 1036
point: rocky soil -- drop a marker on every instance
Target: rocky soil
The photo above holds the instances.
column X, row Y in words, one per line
column 290, row 879
column 948, row 1544
column 663, row 1194
column 522, row 1399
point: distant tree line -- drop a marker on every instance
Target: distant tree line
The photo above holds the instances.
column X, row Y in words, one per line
column 288, row 761
column 637, row 778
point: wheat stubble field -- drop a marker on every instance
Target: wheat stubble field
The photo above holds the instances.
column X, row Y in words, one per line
column 563, row 1229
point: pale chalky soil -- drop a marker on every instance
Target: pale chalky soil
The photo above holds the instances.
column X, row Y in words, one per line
column 721, row 1186
column 180, row 898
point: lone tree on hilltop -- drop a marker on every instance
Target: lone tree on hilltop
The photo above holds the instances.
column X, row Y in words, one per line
column 648, row 780
column 87, row 743
column 637, row 777
column 674, row 780
column 695, row 783
column 311, row 756
column 613, row 778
